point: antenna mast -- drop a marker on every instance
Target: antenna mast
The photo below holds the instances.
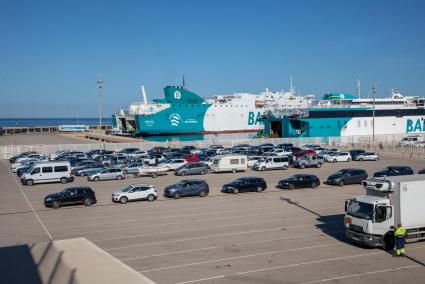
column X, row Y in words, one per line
column 358, row 88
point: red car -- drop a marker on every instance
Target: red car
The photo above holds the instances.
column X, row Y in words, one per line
column 304, row 152
column 191, row 158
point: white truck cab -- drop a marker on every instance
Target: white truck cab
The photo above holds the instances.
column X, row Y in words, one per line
column 370, row 219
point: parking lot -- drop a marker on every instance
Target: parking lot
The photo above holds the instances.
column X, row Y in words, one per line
column 276, row 236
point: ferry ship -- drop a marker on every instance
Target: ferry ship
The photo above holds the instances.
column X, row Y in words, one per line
column 340, row 114
column 184, row 112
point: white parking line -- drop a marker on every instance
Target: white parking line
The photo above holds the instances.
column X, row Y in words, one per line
column 32, row 208
column 207, row 228
column 200, row 238
column 231, row 245
column 240, row 257
column 292, row 265
column 191, row 222
column 362, row 274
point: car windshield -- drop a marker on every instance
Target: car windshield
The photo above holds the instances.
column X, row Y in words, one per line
column 66, row 190
column 341, row 172
column 292, row 178
column 360, row 210
column 237, row 181
column 127, row 188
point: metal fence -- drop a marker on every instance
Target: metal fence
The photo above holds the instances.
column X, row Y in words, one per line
column 384, row 144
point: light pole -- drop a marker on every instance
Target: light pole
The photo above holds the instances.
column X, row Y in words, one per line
column 373, row 115
column 99, row 83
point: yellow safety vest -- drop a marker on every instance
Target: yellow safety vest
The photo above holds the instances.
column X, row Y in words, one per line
column 400, row 232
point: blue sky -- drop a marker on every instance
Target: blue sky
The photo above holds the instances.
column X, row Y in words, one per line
column 52, row 51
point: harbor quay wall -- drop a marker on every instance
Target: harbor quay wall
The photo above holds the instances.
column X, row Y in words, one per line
column 385, row 144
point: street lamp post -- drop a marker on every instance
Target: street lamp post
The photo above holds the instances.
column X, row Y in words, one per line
column 99, row 83
column 373, row 115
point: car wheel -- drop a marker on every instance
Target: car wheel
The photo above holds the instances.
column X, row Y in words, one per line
column 154, row 175
column 119, row 177
column 87, row 201
column 96, row 179
column 183, row 173
column 284, row 168
column 348, row 160
column 263, row 169
column 313, row 185
column 177, row 195
column 361, row 159
column 302, row 166
column 259, row 189
column 82, row 174
column 151, row 197
column 63, row 180
column 235, row 191
column 123, row 200
column 341, row 183
column 202, row 193
column 319, row 165
column 30, row 182
column 202, row 172
column 234, row 171
column 125, row 172
column 376, row 159
column 291, row 187
column 56, row 204
column 334, row 160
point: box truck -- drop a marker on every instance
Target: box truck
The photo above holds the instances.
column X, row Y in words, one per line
column 371, row 219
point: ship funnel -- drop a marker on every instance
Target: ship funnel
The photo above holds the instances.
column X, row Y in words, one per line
column 145, row 100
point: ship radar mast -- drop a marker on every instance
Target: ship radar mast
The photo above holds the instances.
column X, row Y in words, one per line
column 358, row 87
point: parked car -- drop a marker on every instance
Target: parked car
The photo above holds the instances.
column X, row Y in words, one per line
column 72, row 195
column 421, row 172
column 173, row 164
column 48, row 172
column 272, row 163
column 88, row 171
column 347, row 176
column 310, row 160
column 135, row 192
column 394, row 171
column 299, row 181
column 244, row 184
column 192, row 169
column 356, row 152
column 189, row 187
column 339, row 157
column 253, row 159
column 20, row 155
column 367, row 156
column 411, row 140
column 107, row 174
column 208, row 161
column 132, row 168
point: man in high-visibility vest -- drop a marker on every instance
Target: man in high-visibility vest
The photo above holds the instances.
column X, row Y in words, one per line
column 400, row 239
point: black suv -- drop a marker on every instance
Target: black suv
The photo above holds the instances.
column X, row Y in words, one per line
column 298, row 181
column 355, row 153
column 394, row 171
column 189, row 187
column 347, row 176
column 245, row 184
column 71, row 195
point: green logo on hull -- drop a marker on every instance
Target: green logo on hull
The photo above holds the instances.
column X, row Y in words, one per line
column 252, row 119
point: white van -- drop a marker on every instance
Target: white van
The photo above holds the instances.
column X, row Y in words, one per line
column 229, row 163
column 48, row 172
column 411, row 140
column 272, row 163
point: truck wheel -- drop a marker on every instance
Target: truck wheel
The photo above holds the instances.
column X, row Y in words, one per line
column 341, row 183
column 30, row 182
column 388, row 242
column 123, row 200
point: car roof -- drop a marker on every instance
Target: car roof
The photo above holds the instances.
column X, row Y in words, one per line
column 141, row 184
column 305, row 175
column 187, row 180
